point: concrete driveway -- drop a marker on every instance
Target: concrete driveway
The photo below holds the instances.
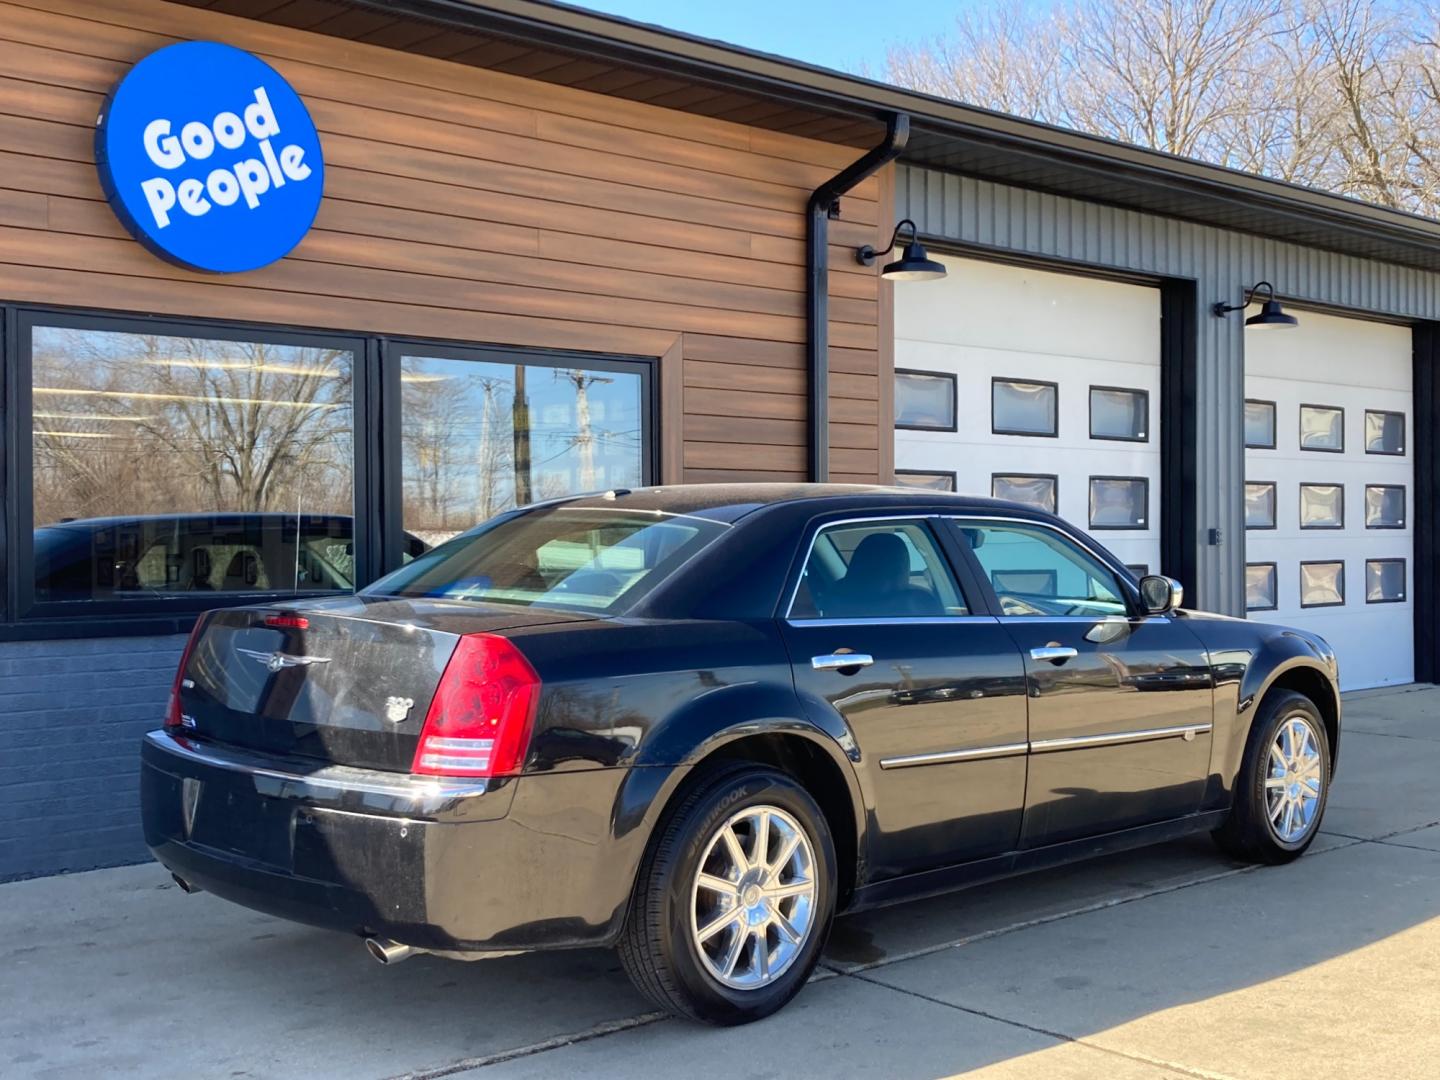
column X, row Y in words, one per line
column 1170, row 962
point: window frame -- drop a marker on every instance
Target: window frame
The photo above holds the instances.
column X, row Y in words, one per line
column 954, row 479
column 1012, row 379
column 1144, row 526
column 377, row 465
column 1274, row 577
column 1300, row 429
column 1090, row 404
column 1054, row 479
column 1274, row 505
column 1405, row 522
column 1274, row 424
column 1404, row 573
column 954, row 382
column 1404, row 433
column 1300, row 569
column 1300, row 506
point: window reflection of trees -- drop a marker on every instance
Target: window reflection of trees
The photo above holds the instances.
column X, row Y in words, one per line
column 132, row 424
column 481, row 438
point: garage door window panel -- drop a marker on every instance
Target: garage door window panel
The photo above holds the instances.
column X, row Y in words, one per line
column 1322, row 428
column 925, row 480
column 1260, row 587
column 1259, row 425
column 1322, row 584
column 1260, row 505
column 1384, row 506
column 1119, row 414
column 1384, row 433
column 1384, row 581
column 876, row 570
column 1040, row 490
column 1024, row 407
column 1119, row 502
column 924, row 400
column 1322, row 506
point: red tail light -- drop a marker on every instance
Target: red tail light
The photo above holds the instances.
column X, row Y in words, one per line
column 480, row 719
column 288, row 620
column 172, row 711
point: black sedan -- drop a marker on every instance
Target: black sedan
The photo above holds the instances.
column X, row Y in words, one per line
column 696, row 722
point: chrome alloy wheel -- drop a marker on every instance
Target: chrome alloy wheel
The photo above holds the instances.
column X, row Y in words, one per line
column 1294, row 780
column 752, row 906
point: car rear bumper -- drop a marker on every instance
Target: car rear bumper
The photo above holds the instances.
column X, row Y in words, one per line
column 457, row 866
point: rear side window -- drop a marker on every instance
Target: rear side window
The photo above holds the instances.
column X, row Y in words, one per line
column 566, row 557
column 876, row 570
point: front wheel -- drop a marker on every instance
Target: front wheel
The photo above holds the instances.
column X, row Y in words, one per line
column 733, row 904
column 1283, row 785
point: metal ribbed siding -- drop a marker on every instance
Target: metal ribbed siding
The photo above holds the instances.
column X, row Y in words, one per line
column 979, row 214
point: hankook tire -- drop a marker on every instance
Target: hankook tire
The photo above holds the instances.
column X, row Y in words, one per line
column 734, row 900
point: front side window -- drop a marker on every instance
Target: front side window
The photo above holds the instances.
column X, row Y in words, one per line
column 1322, row 428
column 562, row 557
column 925, row 400
column 168, row 465
column 876, row 570
column 1021, row 407
column 486, row 432
column 1039, row 572
column 1119, row 414
column 1038, row 491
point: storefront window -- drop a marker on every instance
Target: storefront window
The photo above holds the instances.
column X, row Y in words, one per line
column 167, row 464
column 485, row 434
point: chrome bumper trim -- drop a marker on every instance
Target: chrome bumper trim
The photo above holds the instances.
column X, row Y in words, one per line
column 1085, row 742
column 979, row 753
column 340, row 786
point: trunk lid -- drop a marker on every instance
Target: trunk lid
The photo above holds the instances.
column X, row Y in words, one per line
column 352, row 687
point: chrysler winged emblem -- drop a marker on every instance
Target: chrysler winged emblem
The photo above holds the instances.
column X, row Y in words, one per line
column 277, row 661
column 189, row 803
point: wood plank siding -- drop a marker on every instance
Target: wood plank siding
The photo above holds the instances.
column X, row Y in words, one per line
column 480, row 206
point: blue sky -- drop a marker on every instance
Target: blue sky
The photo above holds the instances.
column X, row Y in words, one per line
column 844, row 34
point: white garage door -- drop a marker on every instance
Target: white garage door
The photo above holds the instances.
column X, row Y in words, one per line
column 1037, row 386
column 1329, row 489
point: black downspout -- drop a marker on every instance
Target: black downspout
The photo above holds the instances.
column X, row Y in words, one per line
column 825, row 204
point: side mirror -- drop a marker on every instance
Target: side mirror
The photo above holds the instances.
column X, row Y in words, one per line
column 1160, row 595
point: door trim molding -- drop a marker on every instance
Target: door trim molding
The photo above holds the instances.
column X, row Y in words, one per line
column 1115, row 738
column 978, row 753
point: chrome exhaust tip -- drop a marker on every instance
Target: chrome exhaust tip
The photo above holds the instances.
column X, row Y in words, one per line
column 386, row 951
column 185, row 886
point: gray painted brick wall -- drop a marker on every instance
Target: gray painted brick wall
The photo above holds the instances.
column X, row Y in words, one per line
column 71, row 717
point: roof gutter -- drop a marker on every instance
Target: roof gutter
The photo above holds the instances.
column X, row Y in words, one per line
column 824, row 204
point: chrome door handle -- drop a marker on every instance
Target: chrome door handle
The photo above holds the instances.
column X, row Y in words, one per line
column 836, row 661
column 1056, row 654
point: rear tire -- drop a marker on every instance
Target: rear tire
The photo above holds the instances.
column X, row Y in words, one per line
column 1283, row 784
column 734, row 900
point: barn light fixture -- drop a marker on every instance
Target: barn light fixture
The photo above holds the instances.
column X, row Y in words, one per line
column 1271, row 316
column 914, row 265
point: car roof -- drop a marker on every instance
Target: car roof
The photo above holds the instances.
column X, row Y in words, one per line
column 731, row 502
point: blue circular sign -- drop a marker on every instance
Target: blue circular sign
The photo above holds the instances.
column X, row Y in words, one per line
column 209, row 158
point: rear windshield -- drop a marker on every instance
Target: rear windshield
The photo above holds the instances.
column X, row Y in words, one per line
column 566, row 557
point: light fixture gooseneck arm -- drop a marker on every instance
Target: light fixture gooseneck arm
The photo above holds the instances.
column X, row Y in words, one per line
column 1221, row 309
column 867, row 255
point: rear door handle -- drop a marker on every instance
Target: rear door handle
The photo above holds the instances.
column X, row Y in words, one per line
column 836, row 661
column 1056, row 654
